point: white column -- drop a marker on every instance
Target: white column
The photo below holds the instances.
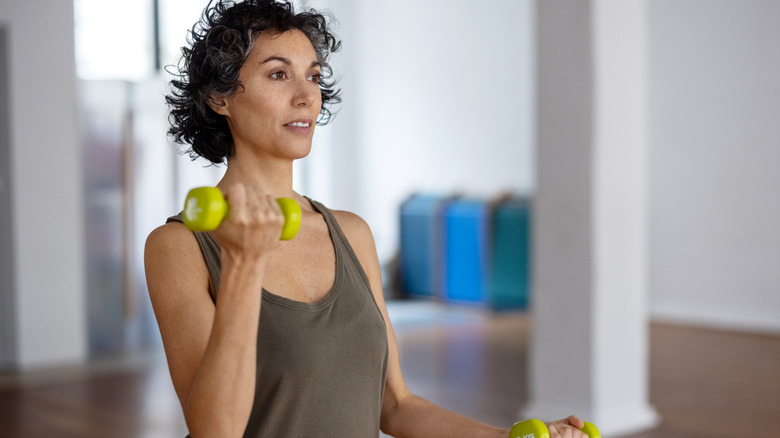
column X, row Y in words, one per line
column 590, row 344
column 45, row 184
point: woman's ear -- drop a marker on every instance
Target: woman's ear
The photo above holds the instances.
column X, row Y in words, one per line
column 220, row 105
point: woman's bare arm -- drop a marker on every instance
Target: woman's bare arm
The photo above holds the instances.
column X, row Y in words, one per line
column 212, row 349
column 403, row 413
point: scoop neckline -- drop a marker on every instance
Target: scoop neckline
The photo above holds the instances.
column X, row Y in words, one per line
column 328, row 298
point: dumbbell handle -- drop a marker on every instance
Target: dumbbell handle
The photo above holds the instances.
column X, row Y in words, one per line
column 205, row 208
column 537, row 429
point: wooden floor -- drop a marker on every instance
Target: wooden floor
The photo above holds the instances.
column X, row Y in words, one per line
column 704, row 383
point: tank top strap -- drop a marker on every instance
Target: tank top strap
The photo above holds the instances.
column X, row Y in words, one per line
column 341, row 243
column 211, row 255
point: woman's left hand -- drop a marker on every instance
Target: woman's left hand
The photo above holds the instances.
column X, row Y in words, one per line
column 569, row 427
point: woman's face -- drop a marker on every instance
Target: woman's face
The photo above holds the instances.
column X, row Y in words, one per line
column 274, row 114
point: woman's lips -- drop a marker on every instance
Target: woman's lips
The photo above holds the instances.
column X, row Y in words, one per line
column 303, row 126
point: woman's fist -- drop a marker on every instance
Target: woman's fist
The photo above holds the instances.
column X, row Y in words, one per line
column 254, row 224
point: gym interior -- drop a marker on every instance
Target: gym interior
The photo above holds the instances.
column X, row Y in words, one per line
column 641, row 136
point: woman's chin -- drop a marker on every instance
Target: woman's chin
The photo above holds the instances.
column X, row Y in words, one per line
column 299, row 154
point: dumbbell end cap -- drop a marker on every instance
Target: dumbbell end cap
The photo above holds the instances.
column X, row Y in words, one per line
column 204, row 209
column 591, row 430
column 292, row 217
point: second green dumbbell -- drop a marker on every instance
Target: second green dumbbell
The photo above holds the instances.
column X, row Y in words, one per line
column 205, row 208
column 537, row 429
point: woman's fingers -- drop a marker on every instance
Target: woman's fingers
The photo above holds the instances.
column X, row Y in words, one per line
column 237, row 199
column 569, row 427
column 563, row 431
column 249, row 206
column 254, row 223
column 575, row 421
column 272, row 211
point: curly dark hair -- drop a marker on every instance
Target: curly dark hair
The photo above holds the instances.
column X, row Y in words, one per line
column 218, row 45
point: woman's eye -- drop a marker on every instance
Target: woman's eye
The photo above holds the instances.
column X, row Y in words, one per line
column 315, row 78
column 278, row 75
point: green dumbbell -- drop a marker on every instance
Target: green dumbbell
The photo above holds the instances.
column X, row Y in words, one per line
column 205, row 208
column 537, row 429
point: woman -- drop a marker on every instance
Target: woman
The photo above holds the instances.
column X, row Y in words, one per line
column 267, row 338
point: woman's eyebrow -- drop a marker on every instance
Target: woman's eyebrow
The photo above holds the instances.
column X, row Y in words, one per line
column 287, row 61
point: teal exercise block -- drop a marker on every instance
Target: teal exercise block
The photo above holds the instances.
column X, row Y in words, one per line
column 511, row 252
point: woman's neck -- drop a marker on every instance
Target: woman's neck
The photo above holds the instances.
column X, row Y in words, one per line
column 272, row 176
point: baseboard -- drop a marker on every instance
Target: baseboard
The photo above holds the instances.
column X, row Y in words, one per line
column 733, row 320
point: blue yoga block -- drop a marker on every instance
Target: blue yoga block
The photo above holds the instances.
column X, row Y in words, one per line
column 466, row 247
column 510, row 267
column 420, row 235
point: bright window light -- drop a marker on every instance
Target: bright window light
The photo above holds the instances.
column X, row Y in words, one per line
column 114, row 39
column 176, row 19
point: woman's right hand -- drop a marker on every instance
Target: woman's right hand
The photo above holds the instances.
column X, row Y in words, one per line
column 252, row 227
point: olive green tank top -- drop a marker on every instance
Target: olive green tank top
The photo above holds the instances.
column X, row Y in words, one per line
column 321, row 367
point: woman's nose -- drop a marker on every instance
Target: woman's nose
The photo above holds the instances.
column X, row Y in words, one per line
column 306, row 93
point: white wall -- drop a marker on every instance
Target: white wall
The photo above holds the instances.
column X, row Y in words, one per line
column 715, row 162
column 46, row 183
column 437, row 97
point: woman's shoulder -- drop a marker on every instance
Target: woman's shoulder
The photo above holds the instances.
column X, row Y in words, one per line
column 351, row 223
column 170, row 245
column 348, row 219
column 174, row 265
column 172, row 236
column 357, row 231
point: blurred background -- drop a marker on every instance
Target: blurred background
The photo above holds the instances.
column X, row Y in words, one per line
column 440, row 104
